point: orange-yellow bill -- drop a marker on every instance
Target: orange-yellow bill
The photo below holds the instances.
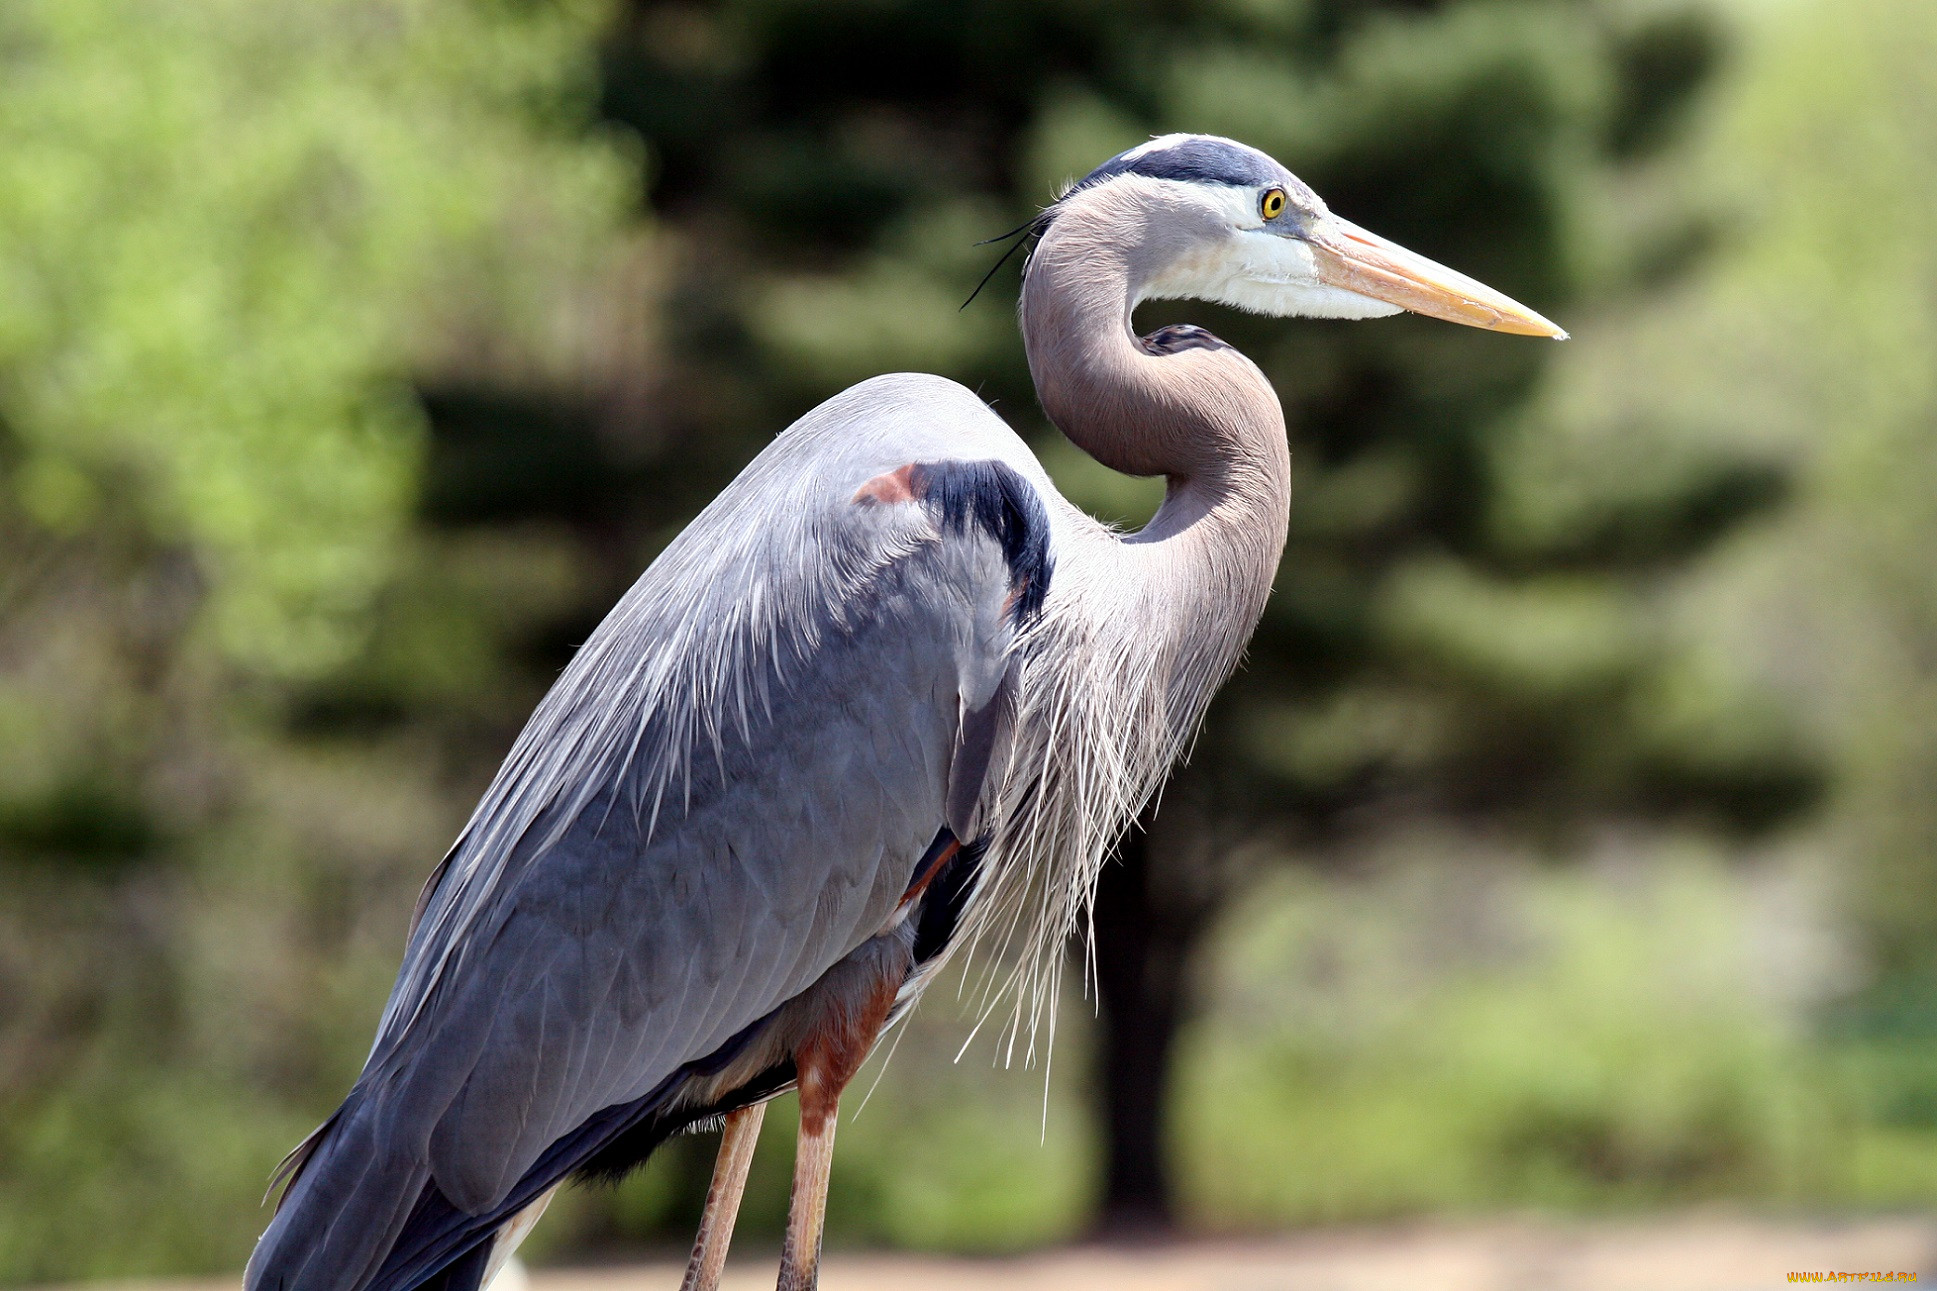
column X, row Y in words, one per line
column 1349, row 257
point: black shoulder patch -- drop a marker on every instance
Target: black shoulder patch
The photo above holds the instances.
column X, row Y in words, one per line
column 990, row 496
column 1180, row 336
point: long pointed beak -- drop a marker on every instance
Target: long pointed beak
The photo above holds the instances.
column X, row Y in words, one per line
column 1349, row 257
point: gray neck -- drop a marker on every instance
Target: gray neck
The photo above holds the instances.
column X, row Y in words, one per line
column 1203, row 416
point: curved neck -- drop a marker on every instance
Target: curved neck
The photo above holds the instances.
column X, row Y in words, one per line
column 1187, row 407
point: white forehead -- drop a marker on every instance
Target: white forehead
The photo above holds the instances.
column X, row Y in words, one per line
column 1237, row 206
column 1228, row 205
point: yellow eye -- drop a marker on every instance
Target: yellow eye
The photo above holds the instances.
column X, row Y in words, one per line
column 1273, row 204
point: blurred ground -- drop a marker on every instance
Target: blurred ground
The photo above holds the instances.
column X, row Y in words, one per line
column 1692, row 1254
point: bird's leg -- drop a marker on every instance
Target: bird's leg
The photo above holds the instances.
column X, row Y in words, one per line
column 825, row 1063
column 800, row 1252
column 737, row 1139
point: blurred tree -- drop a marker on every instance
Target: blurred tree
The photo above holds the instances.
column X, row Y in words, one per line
column 1452, row 635
column 1815, row 337
column 231, row 231
column 1847, row 329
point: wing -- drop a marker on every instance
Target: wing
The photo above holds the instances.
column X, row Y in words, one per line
column 729, row 786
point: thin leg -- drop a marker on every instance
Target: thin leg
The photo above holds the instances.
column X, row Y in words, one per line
column 742, row 1131
column 855, row 999
column 800, row 1253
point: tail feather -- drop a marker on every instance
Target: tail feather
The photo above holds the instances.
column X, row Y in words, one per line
column 349, row 1198
column 440, row 1237
column 359, row 1214
column 465, row 1273
column 290, row 1168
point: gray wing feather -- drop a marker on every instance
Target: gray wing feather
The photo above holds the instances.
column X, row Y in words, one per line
column 723, row 795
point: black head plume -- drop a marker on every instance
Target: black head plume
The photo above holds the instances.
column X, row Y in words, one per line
column 1016, row 237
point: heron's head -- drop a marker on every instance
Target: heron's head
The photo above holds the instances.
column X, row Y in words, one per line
column 1206, row 218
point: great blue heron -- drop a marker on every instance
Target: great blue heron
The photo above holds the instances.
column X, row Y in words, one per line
column 889, row 694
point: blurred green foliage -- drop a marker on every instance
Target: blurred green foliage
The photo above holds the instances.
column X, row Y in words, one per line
column 345, row 379
column 227, row 231
column 1472, row 1035
column 1845, row 258
column 231, row 234
column 1811, row 338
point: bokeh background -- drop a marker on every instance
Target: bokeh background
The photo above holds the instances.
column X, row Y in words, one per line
column 1569, row 843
